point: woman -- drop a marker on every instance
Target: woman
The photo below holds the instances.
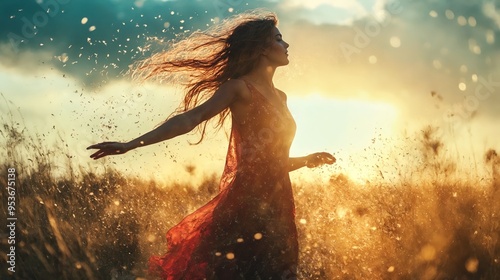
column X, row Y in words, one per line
column 248, row 230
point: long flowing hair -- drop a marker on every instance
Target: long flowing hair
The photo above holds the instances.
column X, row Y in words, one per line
column 205, row 60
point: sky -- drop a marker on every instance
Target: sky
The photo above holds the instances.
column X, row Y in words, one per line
column 364, row 75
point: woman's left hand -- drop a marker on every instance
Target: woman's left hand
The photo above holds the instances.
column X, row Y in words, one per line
column 317, row 159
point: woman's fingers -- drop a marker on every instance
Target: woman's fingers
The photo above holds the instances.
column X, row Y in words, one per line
column 318, row 159
column 100, row 145
column 106, row 149
column 328, row 158
column 98, row 154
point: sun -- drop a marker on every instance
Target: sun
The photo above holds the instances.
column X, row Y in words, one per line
column 343, row 127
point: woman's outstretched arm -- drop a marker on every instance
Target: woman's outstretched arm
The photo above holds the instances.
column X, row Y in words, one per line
column 177, row 125
column 312, row 160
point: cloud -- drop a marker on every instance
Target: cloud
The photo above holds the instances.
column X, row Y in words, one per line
column 323, row 11
column 112, row 36
column 314, row 4
column 341, row 49
column 417, row 48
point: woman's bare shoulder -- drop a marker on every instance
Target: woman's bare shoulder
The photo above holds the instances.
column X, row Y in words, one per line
column 237, row 87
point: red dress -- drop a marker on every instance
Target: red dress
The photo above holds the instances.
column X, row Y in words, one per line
column 248, row 230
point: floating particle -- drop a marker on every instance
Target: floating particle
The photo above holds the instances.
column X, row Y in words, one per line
column 490, row 37
column 472, row 21
column 372, row 59
column 257, row 236
column 433, row 14
column 151, row 238
column 476, row 49
column 471, row 265
column 92, row 28
column 449, row 14
column 462, row 21
column 428, row 253
column 230, row 256
column 139, row 4
column 84, row 20
column 462, row 86
column 63, row 58
column 395, row 42
column 437, row 64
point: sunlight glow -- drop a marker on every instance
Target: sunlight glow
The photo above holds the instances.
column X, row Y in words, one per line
column 341, row 127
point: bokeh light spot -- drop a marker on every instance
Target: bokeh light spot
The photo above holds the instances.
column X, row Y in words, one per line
column 151, row 238
column 462, row 21
column 449, row 14
column 472, row 21
column 428, row 253
column 471, row 265
column 395, row 42
column 437, row 64
column 462, row 86
column 490, row 37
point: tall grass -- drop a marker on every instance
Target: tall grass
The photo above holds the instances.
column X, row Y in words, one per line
column 80, row 224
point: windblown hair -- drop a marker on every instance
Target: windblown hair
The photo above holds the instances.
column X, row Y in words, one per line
column 205, row 60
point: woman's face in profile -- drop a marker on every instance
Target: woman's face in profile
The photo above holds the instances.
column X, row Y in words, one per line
column 277, row 51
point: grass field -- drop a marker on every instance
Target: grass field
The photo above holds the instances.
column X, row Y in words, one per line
column 431, row 223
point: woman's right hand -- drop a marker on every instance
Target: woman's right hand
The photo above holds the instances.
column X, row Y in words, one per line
column 108, row 148
column 318, row 159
